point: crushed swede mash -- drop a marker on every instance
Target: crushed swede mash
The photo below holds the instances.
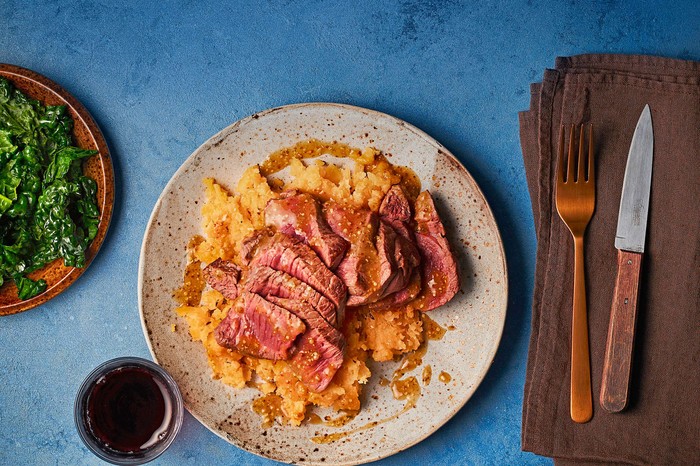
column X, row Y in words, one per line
column 228, row 216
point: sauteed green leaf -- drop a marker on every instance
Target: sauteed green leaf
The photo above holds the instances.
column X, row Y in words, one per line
column 48, row 208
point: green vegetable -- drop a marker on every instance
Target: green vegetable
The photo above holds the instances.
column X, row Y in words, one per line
column 27, row 287
column 48, row 209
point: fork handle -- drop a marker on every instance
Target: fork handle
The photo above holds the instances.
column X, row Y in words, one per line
column 617, row 365
column 581, row 397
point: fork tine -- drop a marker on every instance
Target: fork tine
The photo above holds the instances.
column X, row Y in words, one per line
column 581, row 175
column 570, row 168
column 561, row 169
column 591, row 163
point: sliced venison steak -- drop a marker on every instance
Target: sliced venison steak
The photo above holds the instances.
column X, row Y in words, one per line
column 289, row 255
column 319, row 351
column 267, row 281
column 305, row 311
column 299, row 215
column 440, row 279
column 250, row 244
column 365, row 270
column 401, row 252
column 396, row 209
column 259, row 328
column 403, row 296
column 223, row 276
column 316, row 360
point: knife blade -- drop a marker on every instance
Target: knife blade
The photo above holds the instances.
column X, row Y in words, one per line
column 630, row 242
column 634, row 205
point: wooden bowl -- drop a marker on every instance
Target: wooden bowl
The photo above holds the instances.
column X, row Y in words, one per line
column 87, row 135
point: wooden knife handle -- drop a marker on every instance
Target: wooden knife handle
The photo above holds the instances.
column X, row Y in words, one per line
column 617, row 365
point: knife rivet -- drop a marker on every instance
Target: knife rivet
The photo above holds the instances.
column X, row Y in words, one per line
column 629, row 262
column 626, row 300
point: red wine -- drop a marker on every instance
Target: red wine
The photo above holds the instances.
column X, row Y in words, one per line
column 128, row 410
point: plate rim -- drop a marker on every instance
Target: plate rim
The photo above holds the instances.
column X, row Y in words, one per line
column 225, row 132
column 9, row 71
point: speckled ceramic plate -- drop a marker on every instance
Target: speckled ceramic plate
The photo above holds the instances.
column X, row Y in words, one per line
column 87, row 135
column 477, row 312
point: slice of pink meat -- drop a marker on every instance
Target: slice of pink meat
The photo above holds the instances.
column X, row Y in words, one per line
column 259, row 328
column 223, row 276
column 403, row 296
column 319, row 351
column 366, row 269
column 299, row 215
column 395, row 211
column 440, row 278
column 267, row 281
column 281, row 252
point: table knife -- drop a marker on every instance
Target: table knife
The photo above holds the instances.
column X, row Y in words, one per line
column 629, row 241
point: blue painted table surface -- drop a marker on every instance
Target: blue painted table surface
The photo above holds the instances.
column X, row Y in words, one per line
column 162, row 77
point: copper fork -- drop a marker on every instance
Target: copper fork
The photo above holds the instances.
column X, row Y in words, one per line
column 575, row 197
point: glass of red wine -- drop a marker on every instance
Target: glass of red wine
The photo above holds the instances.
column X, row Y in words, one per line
column 128, row 411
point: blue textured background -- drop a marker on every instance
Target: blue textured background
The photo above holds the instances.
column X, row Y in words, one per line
column 162, row 77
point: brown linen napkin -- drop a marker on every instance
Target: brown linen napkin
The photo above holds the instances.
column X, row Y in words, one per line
column 662, row 423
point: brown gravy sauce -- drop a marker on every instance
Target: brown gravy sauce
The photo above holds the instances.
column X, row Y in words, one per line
column 427, row 375
column 436, row 285
column 310, row 149
column 330, row 438
column 360, row 234
column 411, row 361
column 190, row 293
column 409, row 180
column 406, row 389
column 431, row 329
column 341, row 420
column 269, row 408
